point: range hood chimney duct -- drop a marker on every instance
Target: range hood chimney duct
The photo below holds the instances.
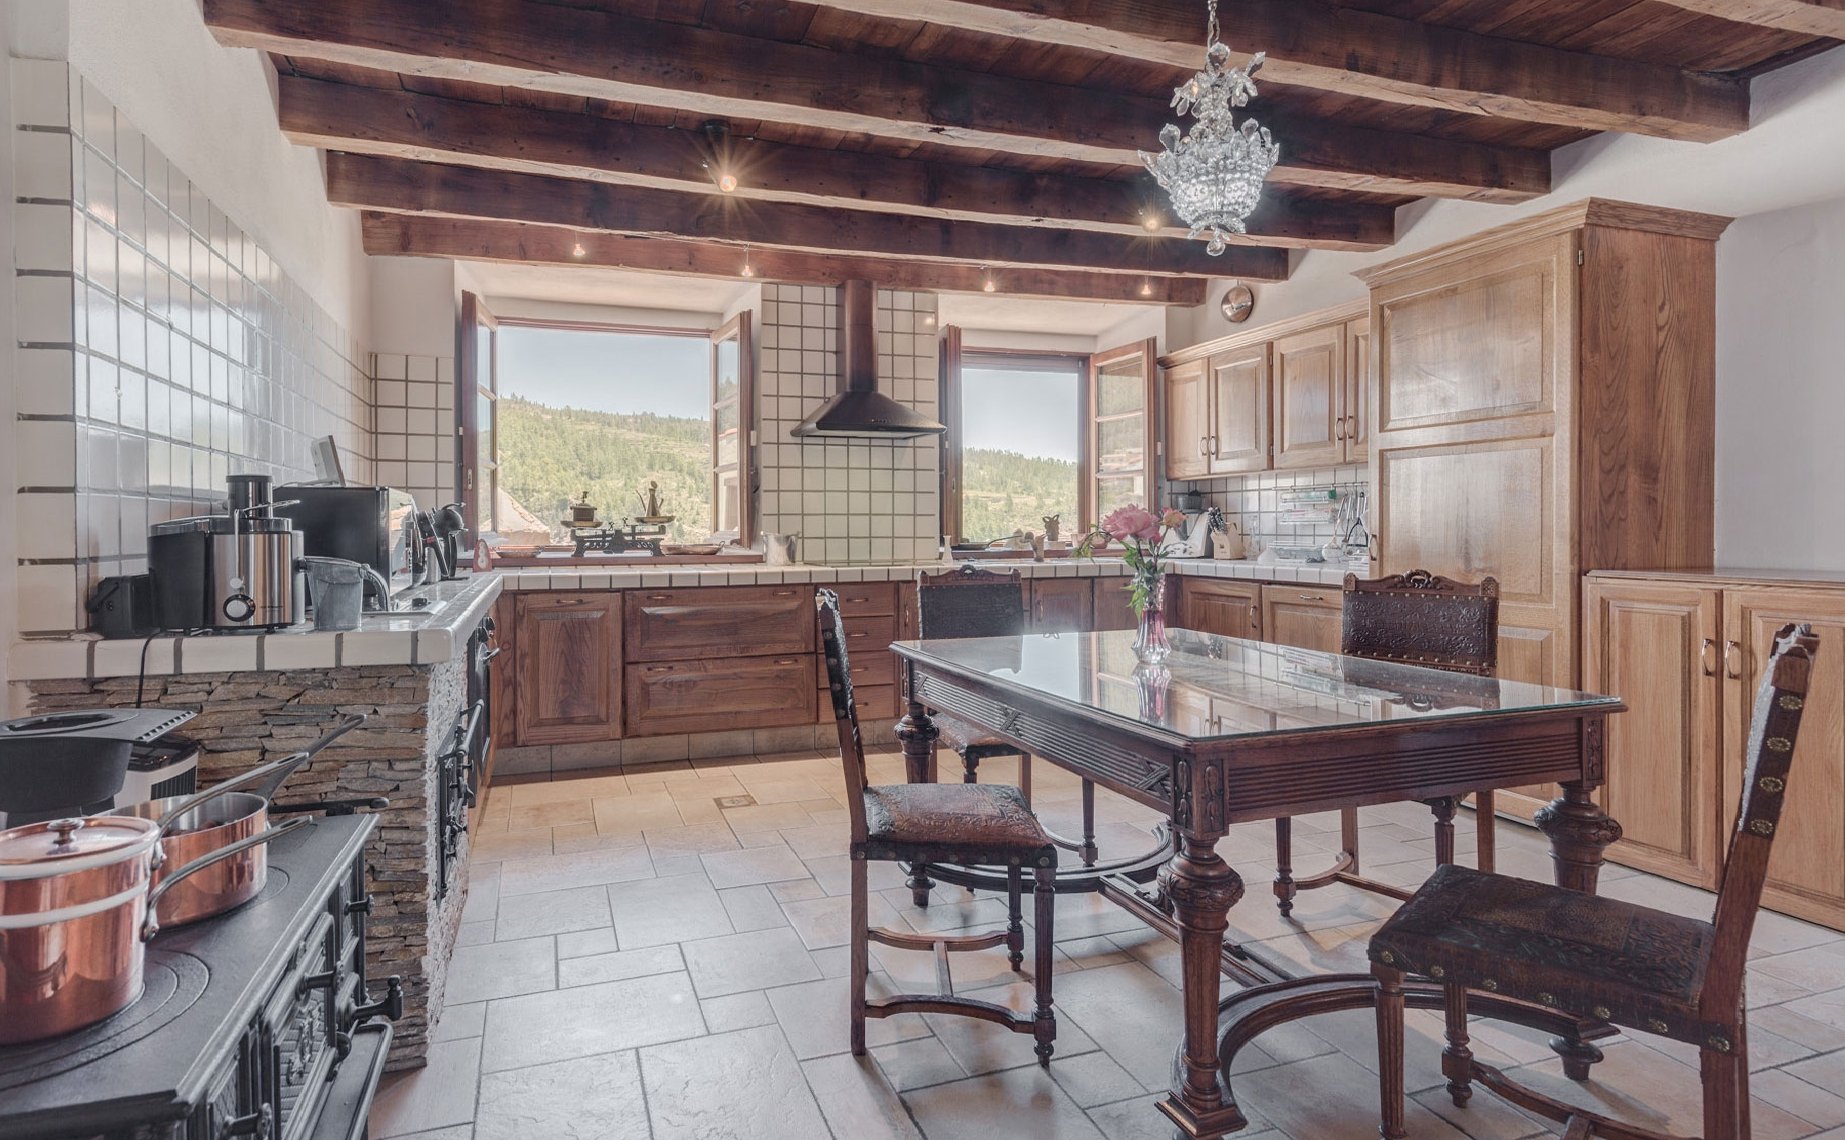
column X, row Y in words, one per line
column 859, row 409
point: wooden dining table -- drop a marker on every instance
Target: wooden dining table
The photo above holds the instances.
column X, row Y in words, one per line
column 1227, row 731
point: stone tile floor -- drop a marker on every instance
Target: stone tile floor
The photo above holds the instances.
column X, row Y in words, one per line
column 638, row 960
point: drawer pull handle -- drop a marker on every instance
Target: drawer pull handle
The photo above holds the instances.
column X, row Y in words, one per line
column 659, row 597
column 1706, row 659
column 1732, row 659
column 1309, row 598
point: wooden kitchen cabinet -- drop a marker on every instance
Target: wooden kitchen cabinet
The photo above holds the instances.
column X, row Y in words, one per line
column 720, row 694
column 1355, row 432
column 873, row 619
column 1188, row 421
column 1112, row 607
column 738, row 621
column 1238, row 394
column 1310, row 383
column 505, row 673
column 1684, row 652
column 1305, row 616
column 567, row 674
column 1061, row 605
column 1212, row 605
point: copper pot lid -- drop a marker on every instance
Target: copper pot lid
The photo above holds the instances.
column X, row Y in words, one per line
column 56, row 846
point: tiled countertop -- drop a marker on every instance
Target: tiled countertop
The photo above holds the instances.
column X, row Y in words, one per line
column 410, row 638
column 625, row 577
column 405, row 638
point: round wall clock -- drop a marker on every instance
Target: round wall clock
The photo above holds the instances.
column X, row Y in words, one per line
column 1239, row 302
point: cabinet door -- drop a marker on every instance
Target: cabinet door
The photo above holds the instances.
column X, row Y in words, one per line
column 1188, row 422
column 1239, row 421
column 720, row 695
column 1356, row 429
column 568, row 676
column 505, row 672
column 1232, row 609
column 1654, row 645
column 1309, row 397
column 1304, row 616
column 1061, row 605
column 1112, row 610
column 703, row 622
column 1806, row 873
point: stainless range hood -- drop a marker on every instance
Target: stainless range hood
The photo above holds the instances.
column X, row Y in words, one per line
column 860, row 410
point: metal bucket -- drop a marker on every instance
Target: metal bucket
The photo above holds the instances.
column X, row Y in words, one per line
column 337, row 587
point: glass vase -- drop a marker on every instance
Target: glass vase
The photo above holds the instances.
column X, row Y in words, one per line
column 1152, row 646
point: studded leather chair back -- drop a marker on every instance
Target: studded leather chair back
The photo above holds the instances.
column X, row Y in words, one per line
column 1774, row 727
column 969, row 602
column 845, row 712
column 1424, row 619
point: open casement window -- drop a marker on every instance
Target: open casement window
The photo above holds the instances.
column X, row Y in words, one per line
column 949, row 393
column 477, row 451
column 1120, row 439
column 733, row 401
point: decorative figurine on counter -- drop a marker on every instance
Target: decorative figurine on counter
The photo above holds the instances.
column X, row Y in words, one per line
column 650, row 507
column 582, row 514
column 1052, row 525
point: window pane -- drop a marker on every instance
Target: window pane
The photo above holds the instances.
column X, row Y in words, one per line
column 1020, row 434
column 1120, row 491
column 726, row 370
column 608, row 413
column 488, row 433
column 1122, row 445
column 727, row 451
column 1120, row 387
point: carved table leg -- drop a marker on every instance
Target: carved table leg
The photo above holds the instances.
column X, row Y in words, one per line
column 1444, row 808
column 1284, row 865
column 917, row 733
column 1202, row 888
column 1089, row 849
column 970, row 768
column 1579, row 832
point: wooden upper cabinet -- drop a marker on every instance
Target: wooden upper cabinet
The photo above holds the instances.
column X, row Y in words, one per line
column 1806, row 872
column 567, row 667
column 1310, row 383
column 1356, row 436
column 1061, row 605
column 738, row 621
column 1305, row 616
column 1188, row 420
column 1239, row 411
column 1655, row 644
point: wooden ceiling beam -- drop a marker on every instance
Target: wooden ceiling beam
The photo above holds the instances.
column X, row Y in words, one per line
column 1807, row 17
column 371, row 120
column 605, row 55
column 473, row 239
column 1318, row 44
column 406, row 186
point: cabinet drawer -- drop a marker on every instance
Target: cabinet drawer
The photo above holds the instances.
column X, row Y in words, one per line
column 873, row 667
column 725, row 622
column 720, row 695
column 866, row 599
column 868, row 635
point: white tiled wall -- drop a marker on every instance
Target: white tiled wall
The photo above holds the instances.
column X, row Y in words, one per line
column 853, row 502
column 1253, row 503
column 160, row 349
column 415, row 425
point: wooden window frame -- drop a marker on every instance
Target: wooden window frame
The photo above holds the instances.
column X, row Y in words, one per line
column 1147, row 351
column 474, row 318
column 741, row 329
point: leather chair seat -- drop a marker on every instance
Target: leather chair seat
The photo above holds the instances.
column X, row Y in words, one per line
column 973, row 823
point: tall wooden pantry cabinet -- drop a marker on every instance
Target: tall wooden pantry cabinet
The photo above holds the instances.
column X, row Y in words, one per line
column 1544, row 406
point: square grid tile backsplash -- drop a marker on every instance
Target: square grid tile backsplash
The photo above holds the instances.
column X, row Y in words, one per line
column 851, row 501
column 1253, row 504
column 160, row 349
column 414, row 400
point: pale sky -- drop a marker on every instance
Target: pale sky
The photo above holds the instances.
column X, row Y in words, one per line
column 607, row 372
column 1032, row 413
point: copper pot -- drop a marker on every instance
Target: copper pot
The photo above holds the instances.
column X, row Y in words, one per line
column 77, row 903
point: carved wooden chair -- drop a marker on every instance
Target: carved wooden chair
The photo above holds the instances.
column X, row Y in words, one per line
column 1616, row 961
column 986, row 824
column 972, row 602
column 1416, row 618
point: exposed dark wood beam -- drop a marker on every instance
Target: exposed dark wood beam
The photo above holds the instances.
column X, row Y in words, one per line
column 1808, row 17
column 605, row 55
column 1314, row 43
column 472, row 239
column 406, row 186
column 371, row 120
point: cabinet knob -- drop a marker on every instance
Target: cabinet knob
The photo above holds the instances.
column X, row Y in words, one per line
column 1339, row 428
column 1732, row 659
column 1706, row 658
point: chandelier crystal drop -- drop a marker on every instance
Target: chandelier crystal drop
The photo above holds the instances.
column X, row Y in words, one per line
column 1214, row 174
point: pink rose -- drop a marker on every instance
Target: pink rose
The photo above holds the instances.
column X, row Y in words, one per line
column 1132, row 522
column 1172, row 518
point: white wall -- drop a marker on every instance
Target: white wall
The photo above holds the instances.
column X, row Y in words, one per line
column 413, row 305
column 9, row 479
column 1781, row 389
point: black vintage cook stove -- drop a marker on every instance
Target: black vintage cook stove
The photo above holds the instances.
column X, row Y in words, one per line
column 257, row 1023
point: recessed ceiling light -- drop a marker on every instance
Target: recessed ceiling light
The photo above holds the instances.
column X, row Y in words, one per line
column 1146, row 287
column 727, row 182
column 1151, row 222
column 577, row 250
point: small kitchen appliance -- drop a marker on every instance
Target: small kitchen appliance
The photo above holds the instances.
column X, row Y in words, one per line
column 375, row 526
column 79, row 761
column 231, row 571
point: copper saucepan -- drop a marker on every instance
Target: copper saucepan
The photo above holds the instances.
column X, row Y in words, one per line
column 77, row 904
column 193, row 827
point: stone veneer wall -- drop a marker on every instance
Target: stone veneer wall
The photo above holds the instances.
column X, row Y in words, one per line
column 249, row 718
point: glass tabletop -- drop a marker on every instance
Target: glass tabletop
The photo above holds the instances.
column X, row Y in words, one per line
column 1214, row 687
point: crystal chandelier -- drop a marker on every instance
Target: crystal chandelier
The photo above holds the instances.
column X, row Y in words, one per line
column 1214, row 174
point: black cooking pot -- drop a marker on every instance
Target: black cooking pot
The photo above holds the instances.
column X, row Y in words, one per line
column 65, row 761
